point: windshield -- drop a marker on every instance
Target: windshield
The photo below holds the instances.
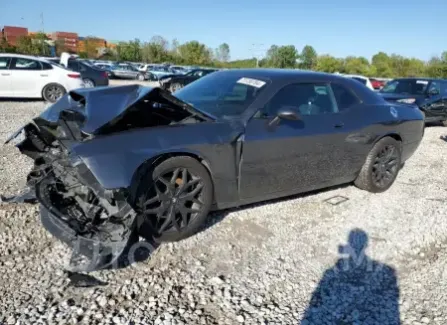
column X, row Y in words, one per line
column 405, row 86
column 222, row 94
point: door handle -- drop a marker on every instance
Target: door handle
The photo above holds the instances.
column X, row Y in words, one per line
column 6, row 74
column 339, row 125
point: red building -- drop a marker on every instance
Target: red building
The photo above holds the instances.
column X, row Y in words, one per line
column 12, row 33
column 69, row 40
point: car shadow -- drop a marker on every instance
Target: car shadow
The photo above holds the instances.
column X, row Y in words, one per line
column 217, row 216
column 22, row 100
column 443, row 138
column 141, row 251
column 356, row 290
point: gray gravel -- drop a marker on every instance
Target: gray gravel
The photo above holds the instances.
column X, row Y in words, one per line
column 255, row 265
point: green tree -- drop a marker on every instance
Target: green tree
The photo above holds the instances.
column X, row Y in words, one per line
column 223, row 52
column 5, row 47
column 356, row 65
column 129, row 51
column 327, row 63
column 155, row 51
column 247, row 63
column 195, row 53
column 308, row 58
column 382, row 63
column 282, row 56
column 33, row 45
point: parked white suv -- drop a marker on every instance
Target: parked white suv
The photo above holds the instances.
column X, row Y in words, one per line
column 364, row 80
column 23, row 76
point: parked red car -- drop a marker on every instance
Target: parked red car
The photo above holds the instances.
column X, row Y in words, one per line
column 377, row 84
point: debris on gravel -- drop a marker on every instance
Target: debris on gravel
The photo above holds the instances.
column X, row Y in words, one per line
column 272, row 263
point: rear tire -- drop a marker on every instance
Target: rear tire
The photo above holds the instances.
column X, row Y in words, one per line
column 88, row 83
column 140, row 77
column 175, row 198
column 444, row 123
column 53, row 92
column 381, row 166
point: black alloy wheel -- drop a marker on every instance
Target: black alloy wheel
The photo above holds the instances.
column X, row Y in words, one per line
column 385, row 166
column 178, row 201
column 381, row 167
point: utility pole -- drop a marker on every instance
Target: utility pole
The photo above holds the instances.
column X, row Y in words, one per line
column 256, row 49
column 43, row 33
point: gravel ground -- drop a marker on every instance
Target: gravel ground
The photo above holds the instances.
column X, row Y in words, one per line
column 275, row 263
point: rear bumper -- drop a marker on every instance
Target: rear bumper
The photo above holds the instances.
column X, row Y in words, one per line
column 102, row 82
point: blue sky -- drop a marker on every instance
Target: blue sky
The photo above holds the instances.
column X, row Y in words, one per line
column 337, row 27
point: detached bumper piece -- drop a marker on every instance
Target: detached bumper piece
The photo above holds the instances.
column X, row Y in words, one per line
column 89, row 254
column 97, row 224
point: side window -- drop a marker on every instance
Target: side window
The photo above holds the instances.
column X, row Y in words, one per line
column 26, row 64
column 434, row 87
column 4, row 63
column 46, row 66
column 344, row 97
column 305, row 98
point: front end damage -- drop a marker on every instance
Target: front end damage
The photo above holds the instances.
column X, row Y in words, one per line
column 97, row 223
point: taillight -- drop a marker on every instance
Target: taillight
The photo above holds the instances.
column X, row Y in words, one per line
column 105, row 74
column 74, row 75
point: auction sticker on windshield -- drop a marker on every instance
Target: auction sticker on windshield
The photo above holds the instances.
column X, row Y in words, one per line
column 251, row 82
column 424, row 82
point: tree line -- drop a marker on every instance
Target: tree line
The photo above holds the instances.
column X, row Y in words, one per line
column 160, row 50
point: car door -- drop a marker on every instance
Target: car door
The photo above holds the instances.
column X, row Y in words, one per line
column 297, row 155
column 434, row 103
column 5, row 77
column 27, row 77
column 444, row 95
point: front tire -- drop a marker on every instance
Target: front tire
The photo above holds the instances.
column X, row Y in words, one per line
column 140, row 77
column 53, row 92
column 175, row 198
column 381, row 166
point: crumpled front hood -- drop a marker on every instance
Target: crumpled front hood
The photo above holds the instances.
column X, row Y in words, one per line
column 102, row 106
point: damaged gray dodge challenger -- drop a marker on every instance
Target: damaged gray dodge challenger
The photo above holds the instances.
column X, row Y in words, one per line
column 115, row 163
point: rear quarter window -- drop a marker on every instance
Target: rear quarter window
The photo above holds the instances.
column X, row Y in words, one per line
column 344, row 96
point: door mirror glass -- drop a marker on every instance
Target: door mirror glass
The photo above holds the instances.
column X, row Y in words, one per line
column 433, row 92
column 288, row 113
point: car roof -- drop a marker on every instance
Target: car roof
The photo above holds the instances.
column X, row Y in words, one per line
column 22, row 56
column 275, row 74
column 282, row 77
column 422, row 78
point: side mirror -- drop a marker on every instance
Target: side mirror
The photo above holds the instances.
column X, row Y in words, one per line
column 288, row 113
column 285, row 113
column 433, row 92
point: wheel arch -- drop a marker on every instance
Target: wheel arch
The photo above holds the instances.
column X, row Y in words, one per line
column 395, row 135
column 152, row 162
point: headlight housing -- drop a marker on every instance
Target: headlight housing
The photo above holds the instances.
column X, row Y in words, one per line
column 407, row 100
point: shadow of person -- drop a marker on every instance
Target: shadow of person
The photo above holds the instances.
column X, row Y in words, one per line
column 356, row 290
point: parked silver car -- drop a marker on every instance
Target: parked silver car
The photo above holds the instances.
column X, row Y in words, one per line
column 126, row 71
